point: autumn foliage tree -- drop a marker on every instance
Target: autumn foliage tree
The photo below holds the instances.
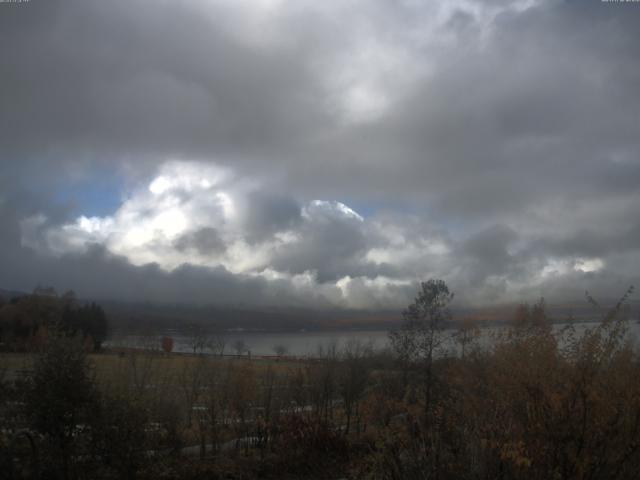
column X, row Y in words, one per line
column 542, row 401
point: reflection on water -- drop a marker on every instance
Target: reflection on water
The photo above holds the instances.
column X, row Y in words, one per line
column 308, row 343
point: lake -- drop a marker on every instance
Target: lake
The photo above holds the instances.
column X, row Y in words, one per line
column 307, row 343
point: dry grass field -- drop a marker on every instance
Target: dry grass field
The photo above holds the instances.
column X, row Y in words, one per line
column 113, row 366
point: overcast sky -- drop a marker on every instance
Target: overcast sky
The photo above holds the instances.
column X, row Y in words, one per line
column 320, row 153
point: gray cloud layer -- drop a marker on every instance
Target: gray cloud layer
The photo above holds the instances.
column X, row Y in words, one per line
column 496, row 142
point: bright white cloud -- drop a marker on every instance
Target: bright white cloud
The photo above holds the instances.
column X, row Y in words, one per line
column 317, row 208
column 321, row 251
column 588, row 264
column 197, row 214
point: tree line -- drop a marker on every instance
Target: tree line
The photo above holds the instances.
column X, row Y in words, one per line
column 26, row 321
column 534, row 402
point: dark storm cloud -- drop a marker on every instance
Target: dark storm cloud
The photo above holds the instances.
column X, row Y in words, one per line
column 542, row 106
column 592, row 243
column 142, row 78
column 329, row 242
column 515, row 131
column 547, row 97
column 205, row 241
column 265, row 214
column 489, row 251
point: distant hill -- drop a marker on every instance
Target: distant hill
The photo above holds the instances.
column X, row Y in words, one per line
column 8, row 294
column 150, row 317
column 146, row 317
column 579, row 311
column 128, row 317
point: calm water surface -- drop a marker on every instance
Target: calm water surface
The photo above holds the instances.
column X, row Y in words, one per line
column 305, row 343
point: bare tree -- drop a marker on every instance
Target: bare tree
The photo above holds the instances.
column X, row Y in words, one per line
column 466, row 333
column 242, row 393
column 239, row 346
column 322, row 378
column 191, row 379
column 198, row 339
column 216, row 343
column 280, row 350
column 215, row 417
column 421, row 335
column 353, row 379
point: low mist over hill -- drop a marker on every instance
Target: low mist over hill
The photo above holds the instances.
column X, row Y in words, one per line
column 138, row 317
